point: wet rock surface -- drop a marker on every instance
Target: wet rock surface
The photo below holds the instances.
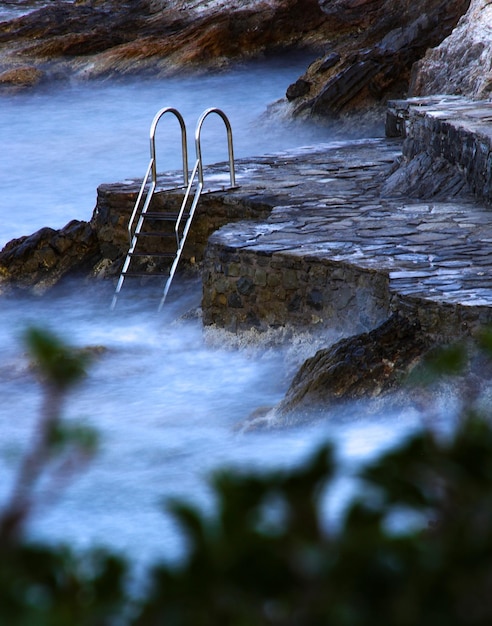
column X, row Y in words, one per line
column 38, row 262
column 369, row 365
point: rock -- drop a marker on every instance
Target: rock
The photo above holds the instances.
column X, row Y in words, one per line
column 21, row 77
column 39, row 261
column 94, row 38
column 376, row 47
column 329, row 61
column 360, row 13
column 299, row 88
column 364, row 366
column 461, row 63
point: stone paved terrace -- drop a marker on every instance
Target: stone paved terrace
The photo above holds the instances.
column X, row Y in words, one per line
column 335, row 249
column 337, row 252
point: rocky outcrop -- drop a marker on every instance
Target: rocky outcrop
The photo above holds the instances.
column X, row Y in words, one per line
column 461, row 63
column 38, row 262
column 95, row 37
column 367, row 48
column 370, row 59
column 364, row 366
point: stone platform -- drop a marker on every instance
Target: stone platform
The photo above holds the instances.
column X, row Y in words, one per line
column 343, row 248
column 334, row 239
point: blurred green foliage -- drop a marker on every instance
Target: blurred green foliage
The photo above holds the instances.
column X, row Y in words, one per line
column 61, row 366
column 414, row 547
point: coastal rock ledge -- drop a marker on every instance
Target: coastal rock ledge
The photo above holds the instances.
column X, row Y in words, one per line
column 368, row 366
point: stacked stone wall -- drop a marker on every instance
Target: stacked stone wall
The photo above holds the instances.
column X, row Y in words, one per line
column 451, row 128
column 245, row 289
column 469, row 151
column 115, row 203
column 443, row 321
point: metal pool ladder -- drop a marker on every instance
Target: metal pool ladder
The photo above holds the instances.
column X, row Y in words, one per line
column 182, row 219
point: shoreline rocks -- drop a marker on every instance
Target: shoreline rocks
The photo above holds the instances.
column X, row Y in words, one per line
column 370, row 60
column 366, row 366
column 38, row 262
column 365, row 49
column 90, row 39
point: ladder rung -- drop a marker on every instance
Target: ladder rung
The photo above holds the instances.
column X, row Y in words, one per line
column 144, row 274
column 155, row 233
column 169, row 217
column 161, row 255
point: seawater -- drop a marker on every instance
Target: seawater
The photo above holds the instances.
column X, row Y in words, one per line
column 60, row 143
column 168, row 398
column 170, row 403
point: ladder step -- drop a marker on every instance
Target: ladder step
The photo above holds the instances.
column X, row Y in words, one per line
column 155, row 233
column 144, row 274
column 168, row 217
column 160, row 255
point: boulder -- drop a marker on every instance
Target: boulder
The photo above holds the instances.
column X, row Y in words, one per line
column 38, row 262
column 368, row 365
column 21, row 77
column 298, row 89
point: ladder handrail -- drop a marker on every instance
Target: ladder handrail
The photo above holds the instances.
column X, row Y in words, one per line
column 150, row 193
column 185, row 200
column 230, row 146
column 184, row 142
column 189, row 182
column 152, row 167
column 181, row 240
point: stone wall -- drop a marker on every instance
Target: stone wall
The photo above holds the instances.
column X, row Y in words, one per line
column 253, row 289
column 444, row 321
column 455, row 129
column 115, row 204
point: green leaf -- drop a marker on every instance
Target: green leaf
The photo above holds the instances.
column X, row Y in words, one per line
column 60, row 365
